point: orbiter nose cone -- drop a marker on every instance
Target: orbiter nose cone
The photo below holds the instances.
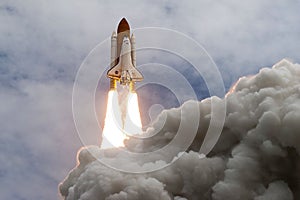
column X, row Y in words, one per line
column 125, row 39
column 123, row 26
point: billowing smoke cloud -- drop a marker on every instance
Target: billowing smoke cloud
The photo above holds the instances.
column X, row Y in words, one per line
column 256, row 156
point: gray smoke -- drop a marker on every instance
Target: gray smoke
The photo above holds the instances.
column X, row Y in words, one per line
column 256, row 156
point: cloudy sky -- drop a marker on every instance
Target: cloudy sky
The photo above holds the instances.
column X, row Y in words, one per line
column 43, row 43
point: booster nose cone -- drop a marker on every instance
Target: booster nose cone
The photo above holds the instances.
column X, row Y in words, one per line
column 114, row 35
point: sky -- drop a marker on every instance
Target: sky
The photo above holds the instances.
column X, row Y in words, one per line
column 43, row 43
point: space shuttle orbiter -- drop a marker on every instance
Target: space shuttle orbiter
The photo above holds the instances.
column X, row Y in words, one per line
column 123, row 58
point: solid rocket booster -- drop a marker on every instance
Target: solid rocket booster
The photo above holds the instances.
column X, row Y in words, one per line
column 123, row 58
column 113, row 56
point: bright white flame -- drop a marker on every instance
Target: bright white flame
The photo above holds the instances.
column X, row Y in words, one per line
column 112, row 134
column 116, row 124
column 133, row 124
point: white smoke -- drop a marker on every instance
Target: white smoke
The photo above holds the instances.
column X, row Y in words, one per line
column 256, row 157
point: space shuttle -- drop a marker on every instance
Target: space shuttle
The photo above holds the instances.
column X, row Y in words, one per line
column 123, row 58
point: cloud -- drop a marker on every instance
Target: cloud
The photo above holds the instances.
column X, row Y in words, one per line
column 256, row 157
column 42, row 45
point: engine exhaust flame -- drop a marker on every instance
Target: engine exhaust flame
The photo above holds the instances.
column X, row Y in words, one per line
column 117, row 124
column 133, row 124
column 112, row 134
